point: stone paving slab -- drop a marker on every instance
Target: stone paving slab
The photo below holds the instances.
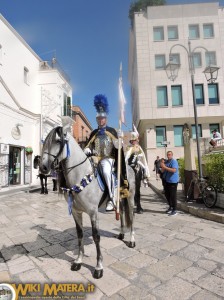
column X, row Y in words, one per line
column 177, row 257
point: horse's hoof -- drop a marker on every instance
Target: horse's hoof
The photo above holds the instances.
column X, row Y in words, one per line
column 76, row 267
column 131, row 245
column 98, row 274
column 46, row 192
column 120, row 236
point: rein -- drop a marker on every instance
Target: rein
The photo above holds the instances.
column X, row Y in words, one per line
column 73, row 167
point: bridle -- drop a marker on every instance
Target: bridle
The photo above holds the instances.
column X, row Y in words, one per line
column 67, row 156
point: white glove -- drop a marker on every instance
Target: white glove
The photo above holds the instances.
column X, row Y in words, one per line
column 87, row 151
column 120, row 133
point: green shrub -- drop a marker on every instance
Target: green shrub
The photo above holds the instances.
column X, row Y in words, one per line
column 142, row 5
column 181, row 169
column 214, row 169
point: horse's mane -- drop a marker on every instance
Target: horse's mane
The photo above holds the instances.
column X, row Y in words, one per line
column 51, row 137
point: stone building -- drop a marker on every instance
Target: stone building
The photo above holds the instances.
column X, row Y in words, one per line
column 160, row 106
column 34, row 95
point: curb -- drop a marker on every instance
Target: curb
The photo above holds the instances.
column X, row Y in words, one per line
column 196, row 209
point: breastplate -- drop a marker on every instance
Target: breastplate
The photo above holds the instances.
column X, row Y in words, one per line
column 103, row 145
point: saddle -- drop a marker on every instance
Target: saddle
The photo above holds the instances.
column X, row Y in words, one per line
column 98, row 173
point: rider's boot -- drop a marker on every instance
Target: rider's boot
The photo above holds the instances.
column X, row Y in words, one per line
column 110, row 205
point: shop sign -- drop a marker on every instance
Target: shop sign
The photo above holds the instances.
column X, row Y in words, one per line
column 4, row 149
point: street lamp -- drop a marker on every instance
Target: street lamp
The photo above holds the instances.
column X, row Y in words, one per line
column 165, row 144
column 211, row 73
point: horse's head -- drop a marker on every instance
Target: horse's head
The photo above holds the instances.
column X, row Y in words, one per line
column 36, row 161
column 52, row 148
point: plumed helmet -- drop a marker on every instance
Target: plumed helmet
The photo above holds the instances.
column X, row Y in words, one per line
column 101, row 105
column 134, row 134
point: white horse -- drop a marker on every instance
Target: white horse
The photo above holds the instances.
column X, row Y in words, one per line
column 76, row 179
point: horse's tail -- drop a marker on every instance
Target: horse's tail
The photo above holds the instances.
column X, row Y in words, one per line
column 127, row 209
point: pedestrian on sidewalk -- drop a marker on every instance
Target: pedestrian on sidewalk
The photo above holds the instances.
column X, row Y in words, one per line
column 156, row 167
column 161, row 175
column 171, row 178
column 216, row 137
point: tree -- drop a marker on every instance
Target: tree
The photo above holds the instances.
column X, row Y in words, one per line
column 142, row 5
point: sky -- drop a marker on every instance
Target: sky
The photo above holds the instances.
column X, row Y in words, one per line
column 89, row 39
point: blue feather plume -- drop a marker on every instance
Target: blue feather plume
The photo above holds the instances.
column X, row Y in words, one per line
column 101, row 104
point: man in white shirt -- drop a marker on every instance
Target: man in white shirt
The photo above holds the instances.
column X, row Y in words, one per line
column 216, row 137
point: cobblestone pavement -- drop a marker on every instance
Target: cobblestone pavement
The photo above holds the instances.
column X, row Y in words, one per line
column 178, row 257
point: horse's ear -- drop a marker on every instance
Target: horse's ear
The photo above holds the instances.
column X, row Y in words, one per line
column 58, row 133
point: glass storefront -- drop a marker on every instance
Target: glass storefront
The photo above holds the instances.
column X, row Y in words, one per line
column 14, row 165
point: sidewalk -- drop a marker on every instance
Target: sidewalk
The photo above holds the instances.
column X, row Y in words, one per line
column 15, row 189
column 196, row 209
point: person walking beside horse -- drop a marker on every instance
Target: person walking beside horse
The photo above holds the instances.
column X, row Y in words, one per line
column 135, row 157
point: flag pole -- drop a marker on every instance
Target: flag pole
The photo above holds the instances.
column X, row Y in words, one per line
column 119, row 146
column 118, row 175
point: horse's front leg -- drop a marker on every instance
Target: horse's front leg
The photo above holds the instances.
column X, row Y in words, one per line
column 45, row 185
column 79, row 229
column 98, row 273
column 132, row 218
column 41, row 183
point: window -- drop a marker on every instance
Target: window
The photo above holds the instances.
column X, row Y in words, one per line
column 176, row 91
column 160, row 135
column 175, row 57
column 210, row 58
column 67, row 106
column 26, row 75
column 178, row 135
column 172, row 32
column 213, row 93
column 162, row 96
column 197, row 59
column 194, row 132
column 160, row 61
column 208, row 31
column 158, row 34
column 213, row 127
column 194, row 32
column 199, row 94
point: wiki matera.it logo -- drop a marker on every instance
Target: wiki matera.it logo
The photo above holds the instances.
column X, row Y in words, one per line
column 7, row 292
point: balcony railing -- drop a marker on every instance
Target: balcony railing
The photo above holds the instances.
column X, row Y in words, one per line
column 54, row 64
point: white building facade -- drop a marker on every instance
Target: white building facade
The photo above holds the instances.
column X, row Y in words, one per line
column 161, row 107
column 33, row 96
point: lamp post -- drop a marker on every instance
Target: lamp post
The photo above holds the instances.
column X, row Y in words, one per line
column 165, row 144
column 211, row 73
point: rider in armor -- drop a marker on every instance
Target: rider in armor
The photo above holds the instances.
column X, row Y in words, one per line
column 135, row 157
column 103, row 143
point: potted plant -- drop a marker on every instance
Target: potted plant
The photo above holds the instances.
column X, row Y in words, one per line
column 29, row 150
